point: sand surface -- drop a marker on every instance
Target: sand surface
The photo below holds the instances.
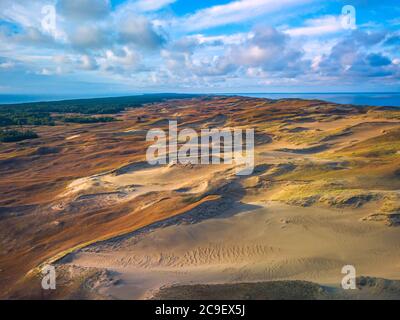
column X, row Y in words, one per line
column 325, row 192
column 270, row 242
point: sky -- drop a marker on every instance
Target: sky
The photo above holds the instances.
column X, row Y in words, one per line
column 111, row 47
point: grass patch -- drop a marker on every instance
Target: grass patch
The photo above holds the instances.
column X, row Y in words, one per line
column 318, row 171
column 88, row 119
column 25, row 118
column 386, row 145
column 314, row 136
column 15, row 135
column 391, row 204
column 387, row 114
column 329, row 193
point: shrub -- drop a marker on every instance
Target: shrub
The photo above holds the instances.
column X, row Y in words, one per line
column 15, row 135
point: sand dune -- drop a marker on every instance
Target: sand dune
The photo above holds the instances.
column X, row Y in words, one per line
column 324, row 193
column 270, row 243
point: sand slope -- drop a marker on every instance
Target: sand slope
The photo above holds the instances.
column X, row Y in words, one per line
column 324, row 193
column 272, row 242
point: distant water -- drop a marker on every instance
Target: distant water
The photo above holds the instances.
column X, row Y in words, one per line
column 11, row 98
column 20, row 98
column 370, row 99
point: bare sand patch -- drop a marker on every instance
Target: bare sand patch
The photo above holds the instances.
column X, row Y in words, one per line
column 273, row 242
column 138, row 179
column 73, row 137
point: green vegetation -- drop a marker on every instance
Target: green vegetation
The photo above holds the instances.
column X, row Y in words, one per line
column 385, row 145
column 25, row 118
column 330, row 193
column 91, row 106
column 15, row 135
column 88, row 119
column 311, row 171
column 39, row 113
column 44, row 119
column 386, row 114
column 314, row 136
column 270, row 290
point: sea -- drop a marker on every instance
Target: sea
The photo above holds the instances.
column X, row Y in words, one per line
column 23, row 98
column 391, row 99
column 371, row 99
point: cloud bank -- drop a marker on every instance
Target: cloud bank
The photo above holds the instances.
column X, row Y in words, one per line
column 145, row 45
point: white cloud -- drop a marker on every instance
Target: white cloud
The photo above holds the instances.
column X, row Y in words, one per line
column 265, row 50
column 88, row 63
column 235, row 38
column 357, row 56
column 139, row 43
column 125, row 57
column 270, row 50
column 142, row 6
column 24, row 13
column 121, row 61
column 61, row 59
column 395, row 22
column 83, row 9
column 89, row 37
column 151, row 5
column 317, row 27
column 316, row 61
column 46, row 72
column 236, row 11
column 139, row 30
column 33, row 36
column 7, row 65
column 256, row 72
column 29, row 16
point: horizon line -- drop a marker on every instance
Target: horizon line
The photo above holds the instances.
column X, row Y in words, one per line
column 71, row 97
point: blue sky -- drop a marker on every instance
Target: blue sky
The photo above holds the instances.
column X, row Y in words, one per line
column 104, row 47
